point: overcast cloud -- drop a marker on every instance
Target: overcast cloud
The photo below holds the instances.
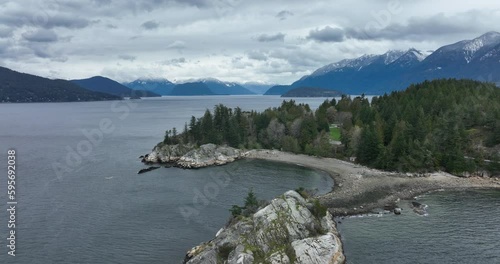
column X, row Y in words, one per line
column 234, row 40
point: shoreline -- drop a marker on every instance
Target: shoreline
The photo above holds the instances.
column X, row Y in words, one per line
column 360, row 190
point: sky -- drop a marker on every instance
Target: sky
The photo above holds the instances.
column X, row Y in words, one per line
column 266, row 41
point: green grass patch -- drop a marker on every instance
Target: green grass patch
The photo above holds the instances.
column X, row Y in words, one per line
column 335, row 133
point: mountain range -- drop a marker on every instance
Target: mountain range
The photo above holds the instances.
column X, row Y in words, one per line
column 257, row 87
column 19, row 87
column 208, row 86
column 159, row 86
column 477, row 59
column 106, row 85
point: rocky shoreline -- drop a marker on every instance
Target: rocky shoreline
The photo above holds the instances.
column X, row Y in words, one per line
column 291, row 229
column 360, row 190
column 192, row 157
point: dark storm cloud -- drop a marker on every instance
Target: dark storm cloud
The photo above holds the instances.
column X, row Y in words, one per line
column 150, row 25
column 43, row 20
column 284, row 15
column 327, row 34
column 177, row 62
column 102, row 2
column 417, row 28
column 41, row 53
column 127, row 57
column 4, row 46
column 257, row 55
column 44, row 50
column 299, row 58
column 40, row 35
column 5, row 32
column 149, row 5
column 66, row 22
column 271, row 38
column 201, row 38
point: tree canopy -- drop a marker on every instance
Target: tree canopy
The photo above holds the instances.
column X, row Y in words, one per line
column 450, row 125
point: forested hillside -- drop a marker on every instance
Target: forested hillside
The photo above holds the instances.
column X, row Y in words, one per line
column 19, row 87
column 453, row 125
column 443, row 124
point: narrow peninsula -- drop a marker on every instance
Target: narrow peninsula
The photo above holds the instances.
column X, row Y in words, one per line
column 443, row 134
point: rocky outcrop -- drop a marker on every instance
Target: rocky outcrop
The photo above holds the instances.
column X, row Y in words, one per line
column 419, row 208
column 288, row 230
column 192, row 157
column 147, row 169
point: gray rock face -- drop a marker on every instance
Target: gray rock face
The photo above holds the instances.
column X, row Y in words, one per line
column 283, row 232
column 192, row 157
column 322, row 249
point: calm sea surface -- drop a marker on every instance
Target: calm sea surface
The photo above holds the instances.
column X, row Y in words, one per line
column 460, row 227
column 100, row 210
column 97, row 209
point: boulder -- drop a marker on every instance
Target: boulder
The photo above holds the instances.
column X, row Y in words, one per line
column 419, row 208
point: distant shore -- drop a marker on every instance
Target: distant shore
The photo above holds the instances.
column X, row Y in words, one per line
column 359, row 189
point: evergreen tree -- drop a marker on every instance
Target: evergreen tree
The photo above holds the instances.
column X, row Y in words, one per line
column 308, row 131
column 370, row 146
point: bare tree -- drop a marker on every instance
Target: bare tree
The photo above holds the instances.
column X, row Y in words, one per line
column 295, row 127
column 331, row 113
column 275, row 131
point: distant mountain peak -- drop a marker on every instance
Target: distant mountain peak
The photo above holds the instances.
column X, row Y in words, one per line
column 469, row 48
column 153, row 79
column 359, row 63
column 394, row 70
column 362, row 61
column 202, row 80
column 489, row 39
column 490, row 35
column 219, row 87
column 392, row 55
column 419, row 55
column 210, row 79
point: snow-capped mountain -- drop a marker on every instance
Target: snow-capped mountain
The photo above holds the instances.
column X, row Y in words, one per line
column 358, row 64
column 478, row 59
column 159, row 86
column 343, row 65
column 465, row 51
column 410, row 58
column 219, row 87
column 166, row 87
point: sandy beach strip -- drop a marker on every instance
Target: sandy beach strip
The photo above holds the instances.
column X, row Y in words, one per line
column 360, row 189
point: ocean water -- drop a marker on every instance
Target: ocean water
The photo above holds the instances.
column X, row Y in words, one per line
column 101, row 211
column 95, row 208
column 459, row 227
